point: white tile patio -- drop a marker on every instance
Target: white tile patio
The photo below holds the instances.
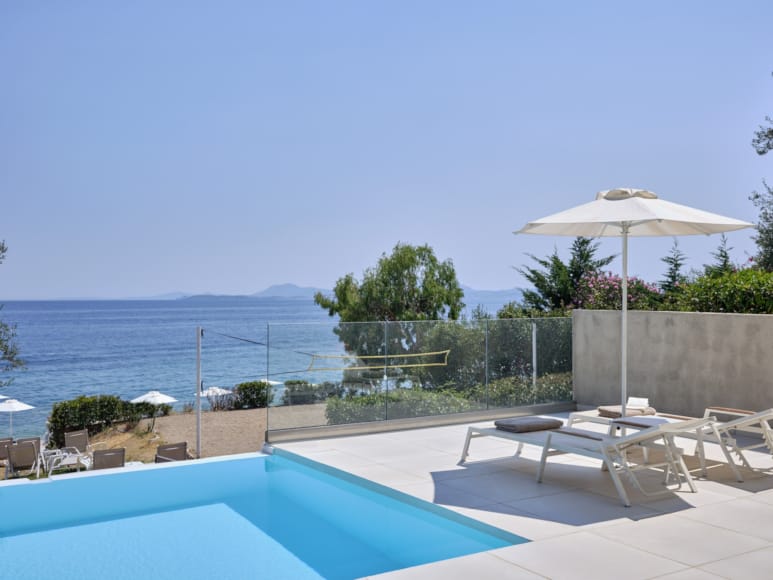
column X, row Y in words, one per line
column 577, row 526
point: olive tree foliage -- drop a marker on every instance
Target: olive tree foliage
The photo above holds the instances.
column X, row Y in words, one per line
column 764, row 238
column 556, row 283
column 410, row 284
column 9, row 351
column 763, row 143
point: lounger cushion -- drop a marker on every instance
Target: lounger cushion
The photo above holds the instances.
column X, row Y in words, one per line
column 616, row 411
column 527, row 424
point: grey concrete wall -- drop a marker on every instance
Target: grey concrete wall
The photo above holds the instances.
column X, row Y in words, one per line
column 682, row 361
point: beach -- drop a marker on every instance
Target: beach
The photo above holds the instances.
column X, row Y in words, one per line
column 222, row 432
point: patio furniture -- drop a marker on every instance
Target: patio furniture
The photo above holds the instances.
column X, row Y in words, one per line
column 615, row 453
column 726, row 434
column 23, row 456
column 108, row 458
column 172, row 452
column 4, row 443
column 76, row 452
column 531, row 430
column 634, row 407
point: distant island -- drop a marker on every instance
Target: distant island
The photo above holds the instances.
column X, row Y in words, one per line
column 491, row 300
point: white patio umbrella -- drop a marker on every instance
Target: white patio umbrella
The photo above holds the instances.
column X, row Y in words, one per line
column 215, row 392
column 625, row 212
column 12, row 406
column 155, row 398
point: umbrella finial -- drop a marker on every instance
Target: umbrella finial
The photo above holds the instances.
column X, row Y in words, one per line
column 625, row 193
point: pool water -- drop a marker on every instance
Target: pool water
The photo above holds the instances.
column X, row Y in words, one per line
column 255, row 516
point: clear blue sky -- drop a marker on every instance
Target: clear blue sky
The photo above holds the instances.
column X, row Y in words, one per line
column 148, row 147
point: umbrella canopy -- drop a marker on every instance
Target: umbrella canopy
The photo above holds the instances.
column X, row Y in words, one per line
column 625, row 212
column 12, row 406
column 154, row 398
column 215, row 392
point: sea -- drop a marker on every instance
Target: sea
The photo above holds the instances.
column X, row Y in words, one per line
column 129, row 347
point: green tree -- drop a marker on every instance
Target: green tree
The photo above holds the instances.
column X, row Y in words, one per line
column 9, row 351
column 764, row 238
column 556, row 283
column 722, row 262
column 674, row 277
column 411, row 284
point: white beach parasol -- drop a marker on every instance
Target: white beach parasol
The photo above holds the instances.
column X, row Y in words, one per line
column 625, row 212
column 155, row 398
column 215, row 392
column 12, row 406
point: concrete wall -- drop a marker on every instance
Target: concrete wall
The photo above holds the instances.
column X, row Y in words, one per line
column 682, row 361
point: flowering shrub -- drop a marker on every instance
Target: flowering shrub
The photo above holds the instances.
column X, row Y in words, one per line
column 604, row 291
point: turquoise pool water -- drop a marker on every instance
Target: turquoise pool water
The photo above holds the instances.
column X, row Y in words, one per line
column 268, row 517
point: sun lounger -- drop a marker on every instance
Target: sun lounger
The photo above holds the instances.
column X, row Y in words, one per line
column 23, row 456
column 172, row 452
column 531, row 430
column 614, row 452
column 108, row 458
column 4, row 443
column 76, row 453
column 726, row 432
column 634, row 407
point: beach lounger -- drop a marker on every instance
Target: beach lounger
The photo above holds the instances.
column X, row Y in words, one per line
column 23, row 456
column 634, row 407
column 108, row 458
column 76, row 453
column 726, row 433
column 172, row 452
column 531, row 430
column 4, row 443
column 614, row 452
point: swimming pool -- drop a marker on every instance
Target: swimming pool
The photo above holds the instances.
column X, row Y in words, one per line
column 251, row 516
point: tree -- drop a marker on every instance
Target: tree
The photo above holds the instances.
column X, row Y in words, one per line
column 9, row 351
column 557, row 283
column 764, row 237
column 674, row 277
column 722, row 263
column 409, row 285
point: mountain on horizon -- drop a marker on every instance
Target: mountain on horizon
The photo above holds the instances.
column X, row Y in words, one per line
column 289, row 291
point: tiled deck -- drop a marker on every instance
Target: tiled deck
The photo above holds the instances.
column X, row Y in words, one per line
column 578, row 527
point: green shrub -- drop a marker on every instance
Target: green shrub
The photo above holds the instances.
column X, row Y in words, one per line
column 305, row 393
column 746, row 291
column 518, row 391
column 252, row 394
column 397, row 404
column 94, row 413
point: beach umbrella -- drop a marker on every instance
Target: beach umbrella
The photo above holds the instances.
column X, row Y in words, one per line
column 215, row 392
column 626, row 212
column 12, row 406
column 155, row 398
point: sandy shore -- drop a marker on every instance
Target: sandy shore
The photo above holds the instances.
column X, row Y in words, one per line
column 222, row 432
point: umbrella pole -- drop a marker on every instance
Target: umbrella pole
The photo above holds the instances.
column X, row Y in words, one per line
column 624, row 325
column 199, row 333
column 10, row 418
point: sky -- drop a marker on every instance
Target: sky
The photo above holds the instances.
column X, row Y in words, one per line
column 152, row 147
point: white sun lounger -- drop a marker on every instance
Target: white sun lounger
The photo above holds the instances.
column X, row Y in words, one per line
column 614, row 453
column 536, row 436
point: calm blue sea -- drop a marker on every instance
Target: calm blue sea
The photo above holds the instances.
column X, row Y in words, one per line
column 126, row 348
